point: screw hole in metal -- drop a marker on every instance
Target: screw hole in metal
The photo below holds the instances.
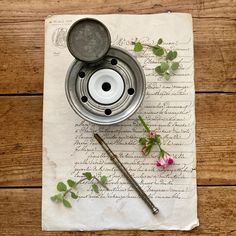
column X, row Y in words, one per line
column 81, row 74
column 130, row 91
column 84, row 99
column 108, row 112
column 106, row 86
column 113, row 62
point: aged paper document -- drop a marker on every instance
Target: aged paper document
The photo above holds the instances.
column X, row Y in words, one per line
column 69, row 148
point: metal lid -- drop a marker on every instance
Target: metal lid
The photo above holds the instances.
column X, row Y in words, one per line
column 88, row 40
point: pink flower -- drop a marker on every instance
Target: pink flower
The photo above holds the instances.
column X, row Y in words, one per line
column 152, row 134
column 170, row 159
column 162, row 163
column 165, row 161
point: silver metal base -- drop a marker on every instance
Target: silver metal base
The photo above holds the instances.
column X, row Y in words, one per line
column 134, row 85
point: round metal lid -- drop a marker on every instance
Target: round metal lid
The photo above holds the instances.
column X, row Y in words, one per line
column 88, row 40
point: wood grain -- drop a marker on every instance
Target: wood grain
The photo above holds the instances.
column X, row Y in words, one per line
column 21, row 72
column 27, row 10
column 22, row 45
column 21, row 140
column 21, row 132
column 216, row 208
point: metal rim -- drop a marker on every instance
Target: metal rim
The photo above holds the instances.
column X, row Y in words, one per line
column 132, row 73
column 69, row 34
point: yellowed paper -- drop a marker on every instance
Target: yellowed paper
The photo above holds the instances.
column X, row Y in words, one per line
column 169, row 106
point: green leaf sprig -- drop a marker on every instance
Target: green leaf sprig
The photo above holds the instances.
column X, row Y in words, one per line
column 71, row 188
column 167, row 66
column 152, row 139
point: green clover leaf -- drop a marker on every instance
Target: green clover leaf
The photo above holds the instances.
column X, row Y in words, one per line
column 142, row 141
column 103, row 179
column 71, row 183
column 88, row 175
column 167, row 76
column 160, row 41
column 66, row 203
column 74, row 195
column 175, row 66
column 158, row 51
column 95, row 188
column 138, row 47
column 171, row 55
column 61, row 187
column 57, row 198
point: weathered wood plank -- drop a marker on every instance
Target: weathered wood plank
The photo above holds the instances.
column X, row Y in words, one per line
column 216, row 138
column 21, row 214
column 34, row 10
column 21, row 56
column 21, row 135
column 21, row 140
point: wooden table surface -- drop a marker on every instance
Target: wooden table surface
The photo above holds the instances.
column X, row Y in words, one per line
column 21, row 96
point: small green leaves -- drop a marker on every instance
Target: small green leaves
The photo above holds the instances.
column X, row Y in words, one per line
column 175, row 66
column 152, row 139
column 95, row 188
column 54, row 198
column 61, row 187
column 167, row 67
column 57, row 198
column 167, row 76
column 158, row 51
column 164, row 66
column 88, row 175
column 66, row 203
column 160, row 41
column 171, row 55
column 74, row 195
column 71, row 183
column 65, row 191
column 159, row 70
column 162, row 69
column 138, row 47
column 162, row 153
column 103, row 179
column 143, row 141
column 158, row 139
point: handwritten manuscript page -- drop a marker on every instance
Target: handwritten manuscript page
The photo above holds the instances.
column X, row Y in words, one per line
column 169, row 107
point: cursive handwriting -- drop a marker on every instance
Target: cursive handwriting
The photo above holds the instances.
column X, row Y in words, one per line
column 169, row 108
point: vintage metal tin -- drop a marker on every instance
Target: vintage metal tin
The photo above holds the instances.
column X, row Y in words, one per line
column 88, row 40
column 105, row 87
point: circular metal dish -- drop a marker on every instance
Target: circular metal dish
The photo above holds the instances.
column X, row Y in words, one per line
column 88, row 40
column 78, row 94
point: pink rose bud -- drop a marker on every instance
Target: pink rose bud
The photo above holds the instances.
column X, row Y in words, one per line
column 152, row 134
column 170, row 159
column 162, row 163
column 158, row 164
column 165, row 161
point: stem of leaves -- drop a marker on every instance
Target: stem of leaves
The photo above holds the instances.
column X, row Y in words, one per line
column 100, row 182
column 144, row 124
column 148, row 142
column 62, row 196
column 167, row 66
column 75, row 185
